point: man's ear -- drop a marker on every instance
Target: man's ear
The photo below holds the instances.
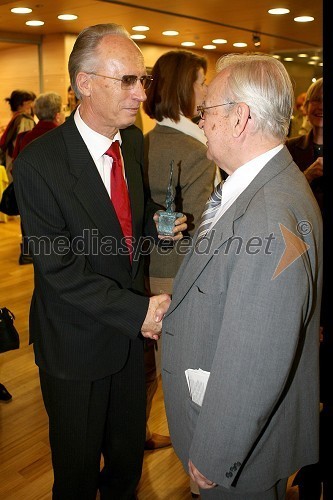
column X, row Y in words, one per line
column 241, row 117
column 83, row 81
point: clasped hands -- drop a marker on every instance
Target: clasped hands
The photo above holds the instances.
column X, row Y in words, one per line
column 152, row 325
column 159, row 304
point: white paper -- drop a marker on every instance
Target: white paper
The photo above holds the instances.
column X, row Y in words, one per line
column 197, row 382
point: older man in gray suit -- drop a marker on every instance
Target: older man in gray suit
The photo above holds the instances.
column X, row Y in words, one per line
column 246, row 300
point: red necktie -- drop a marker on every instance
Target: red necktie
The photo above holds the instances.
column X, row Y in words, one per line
column 119, row 194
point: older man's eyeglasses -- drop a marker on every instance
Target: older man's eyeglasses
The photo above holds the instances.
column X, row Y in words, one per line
column 201, row 109
column 128, row 82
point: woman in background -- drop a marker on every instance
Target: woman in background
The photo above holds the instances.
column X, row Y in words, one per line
column 315, row 481
column 178, row 87
column 48, row 109
column 21, row 102
column 307, row 150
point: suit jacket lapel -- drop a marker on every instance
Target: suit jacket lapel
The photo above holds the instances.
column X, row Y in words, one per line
column 90, row 187
column 223, row 230
column 201, row 254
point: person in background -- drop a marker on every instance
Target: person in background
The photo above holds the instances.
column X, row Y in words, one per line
column 246, row 301
column 173, row 102
column 307, row 152
column 80, row 194
column 21, row 103
column 48, row 109
column 72, row 101
column 299, row 123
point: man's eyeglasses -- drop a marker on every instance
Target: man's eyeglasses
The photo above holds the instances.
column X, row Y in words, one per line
column 201, row 109
column 128, row 82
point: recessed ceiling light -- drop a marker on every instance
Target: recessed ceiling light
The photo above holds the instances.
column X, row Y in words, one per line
column 138, row 37
column 302, row 55
column 279, row 11
column 303, row 19
column 240, row 44
column 140, row 28
column 315, row 58
column 34, row 23
column 67, row 17
column 311, row 62
column 209, row 47
column 321, row 64
column 276, row 56
column 220, row 40
column 170, row 33
column 288, row 59
column 187, row 44
column 21, row 10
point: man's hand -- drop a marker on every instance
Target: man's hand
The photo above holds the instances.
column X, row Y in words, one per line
column 152, row 325
column 315, row 170
column 198, row 478
column 180, row 225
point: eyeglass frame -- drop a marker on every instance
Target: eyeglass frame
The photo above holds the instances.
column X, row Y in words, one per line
column 201, row 109
column 144, row 80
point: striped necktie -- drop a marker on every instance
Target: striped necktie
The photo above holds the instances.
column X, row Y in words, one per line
column 211, row 207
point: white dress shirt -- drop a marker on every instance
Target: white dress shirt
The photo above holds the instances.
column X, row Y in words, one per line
column 97, row 144
column 238, row 181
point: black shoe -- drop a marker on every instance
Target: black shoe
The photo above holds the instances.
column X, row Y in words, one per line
column 4, row 394
column 157, row 441
column 25, row 259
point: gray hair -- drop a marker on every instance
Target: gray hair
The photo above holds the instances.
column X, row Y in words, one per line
column 263, row 83
column 83, row 55
column 47, row 105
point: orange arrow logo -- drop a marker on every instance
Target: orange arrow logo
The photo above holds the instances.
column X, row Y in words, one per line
column 295, row 247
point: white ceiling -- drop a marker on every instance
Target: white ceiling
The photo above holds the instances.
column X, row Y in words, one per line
column 196, row 20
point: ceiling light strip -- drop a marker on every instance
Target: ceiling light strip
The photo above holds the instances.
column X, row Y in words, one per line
column 193, row 18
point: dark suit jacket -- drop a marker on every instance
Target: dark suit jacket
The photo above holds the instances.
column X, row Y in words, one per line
column 88, row 301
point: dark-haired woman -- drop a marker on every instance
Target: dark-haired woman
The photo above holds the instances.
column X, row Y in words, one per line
column 21, row 102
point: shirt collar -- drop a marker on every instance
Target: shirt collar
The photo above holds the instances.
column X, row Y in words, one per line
column 96, row 143
column 245, row 174
column 186, row 126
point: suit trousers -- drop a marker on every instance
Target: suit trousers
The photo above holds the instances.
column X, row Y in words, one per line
column 277, row 492
column 91, row 419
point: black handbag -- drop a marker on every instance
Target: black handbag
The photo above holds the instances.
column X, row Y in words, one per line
column 9, row 337
column 8, row 204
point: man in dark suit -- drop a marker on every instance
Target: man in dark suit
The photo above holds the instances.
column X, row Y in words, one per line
column 88, row 312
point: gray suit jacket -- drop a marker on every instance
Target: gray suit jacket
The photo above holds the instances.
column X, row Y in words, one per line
column 257, row 335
